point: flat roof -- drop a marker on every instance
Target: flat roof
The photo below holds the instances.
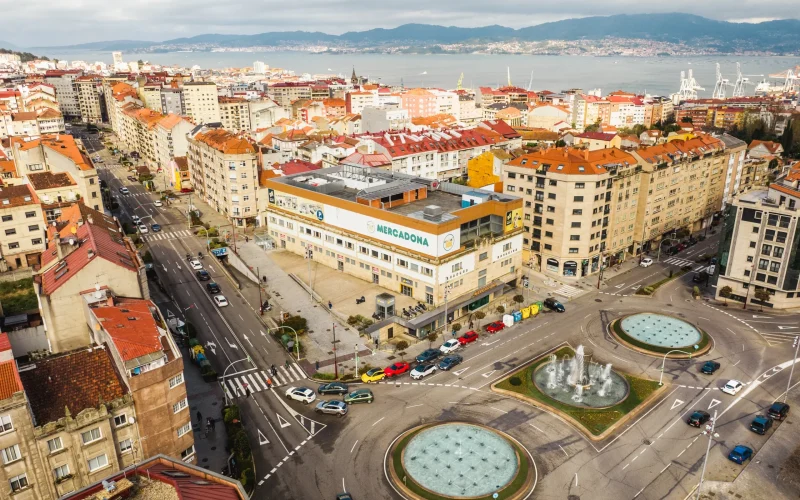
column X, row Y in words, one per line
column 754, row 196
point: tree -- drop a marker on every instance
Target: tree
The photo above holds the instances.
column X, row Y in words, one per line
column 401, row 346
column 500, row 309
column 686, row 119
column 479, row 316
column 560, row 143
column 725, row 292
column 140, row 62
column 519, row 299
column 431, row 338
column 762, row 294
column 773, row 164
column 594, row 127
column 456, row 327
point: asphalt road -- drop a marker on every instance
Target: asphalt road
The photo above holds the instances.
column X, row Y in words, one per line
column 300, row 454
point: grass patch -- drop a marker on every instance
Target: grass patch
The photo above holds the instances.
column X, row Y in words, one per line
column 617, row 326
column 651, row 289
column 508, row 491
column 18, row 296
column 596, row 421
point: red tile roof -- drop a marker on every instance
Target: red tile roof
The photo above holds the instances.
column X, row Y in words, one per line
column 501, row 127
column 297, row 167
column 131, row 326
column 5, row 344
column 772, row 147
column 10, row 382
column 403, row 144
column 574, row 161
column 597, row 136
column 77, row 380
column 224, row 141
column 368, row 160
column 17, row 196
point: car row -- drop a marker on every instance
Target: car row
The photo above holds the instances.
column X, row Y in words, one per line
column 331, row 406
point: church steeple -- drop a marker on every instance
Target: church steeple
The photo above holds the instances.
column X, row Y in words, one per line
column 354, row 78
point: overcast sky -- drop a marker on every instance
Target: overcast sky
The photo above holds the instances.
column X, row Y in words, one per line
column 30, row 23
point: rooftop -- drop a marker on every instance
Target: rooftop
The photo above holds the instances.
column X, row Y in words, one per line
column 77, row 380
column 17, row 196
column 50, row 180
column 131, row 326
column 574, row 161
column 223, row 141
column 62, row 144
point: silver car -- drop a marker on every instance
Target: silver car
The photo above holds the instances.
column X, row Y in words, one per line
column 332, row 407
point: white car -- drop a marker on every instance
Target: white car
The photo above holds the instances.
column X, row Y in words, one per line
column 646, row 262
column 422, row 371
column 196, row 265
column 711, row 269
column 302, row 394
column 136, row 219
column 220, row 300
column 143, row 228
column 732, row 387
column 158, row 203
column 450, row 346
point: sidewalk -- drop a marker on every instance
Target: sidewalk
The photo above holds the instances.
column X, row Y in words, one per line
column 208, row 400
column 565, row 288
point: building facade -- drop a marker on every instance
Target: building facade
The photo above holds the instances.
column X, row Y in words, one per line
column 201, row 102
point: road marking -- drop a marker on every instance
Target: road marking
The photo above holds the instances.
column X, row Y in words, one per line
column 498, row 409
column 459, row 372
column 414, row 406
column 780, row 327
column 565, row 451
column 488, row 374
column 626, row 466
column 353, row 448
column 262, row 439
column 677, row 403
column 282, row 421
column 538, row 429
column 376, row 422
column 713, row 403
column 343, row 488
column 681, row 453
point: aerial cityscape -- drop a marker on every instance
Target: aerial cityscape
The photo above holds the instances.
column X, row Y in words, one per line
column 555, row 254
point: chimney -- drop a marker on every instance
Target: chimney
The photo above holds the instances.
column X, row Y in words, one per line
column 89, row 219
column 586, row 154
column 57, row 240
column 80, row 222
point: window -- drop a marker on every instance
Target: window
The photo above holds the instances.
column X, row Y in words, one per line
column 577, row 199
column 36, row 241
column 548, row 246
column 763, row 264
column 11, row 454
column 5, row 423
column 54, row 444
column 456, row 267
column 13, row 245
column 752, row 244
column 9, row 232
column 18, row 482
column 778, row 252
column 125, row 446
column 91, row 181
column 573, row 250
column 576, row 224
column 97, row 462
column 386, row 257
column 577, row 211
column 180, row 405
column 766, row 249
column 548, row 234
column 188, row 452
column 574, row 237
column 580, row 185
column 755, row 229
column 507, row 247
column 184, row 429
column 781, row 237
column 427, row 271
column 483, row 256
column 61, row 471
column 774, row 267
column 375, row 254
column 549, row 222
column 769, row 234
column 551, row 196
column 91, row 435
column 7, row 218
column 120, row 420
column 176, row 381
column 33, row 227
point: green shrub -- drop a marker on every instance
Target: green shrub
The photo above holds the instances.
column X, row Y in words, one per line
column 500, row 309
column 352, row 321
column 515, row 381
column 147, row 257
column 247, row 479
column 231, row 413
column 298, row 323
column 696, row 291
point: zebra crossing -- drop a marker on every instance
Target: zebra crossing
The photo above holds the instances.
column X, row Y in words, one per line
column 676, row 261
column 568, row 291
column 135, row 195
column 166, row 235
column 257, row 381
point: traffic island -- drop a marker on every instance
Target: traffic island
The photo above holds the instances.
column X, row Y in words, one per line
column 661, row 335
column 589, row 394
column 461, row 460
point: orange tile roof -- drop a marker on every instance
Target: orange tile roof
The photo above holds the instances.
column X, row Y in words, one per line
column 50, row 180
column 224, row 141
column 772, row 147
column 8, row 166
column 794, row 172
column 575, row 162
column 62, row 144
column 17, row 196
column 169, row 121
column 131, row 326
column 10, row 382
column 49, row 113
column 23, row 117
column 265, row 175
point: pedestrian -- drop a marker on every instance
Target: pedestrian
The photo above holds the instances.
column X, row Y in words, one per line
column 454, row 334
column 330, row 305
column 247, row 392
column 287, row 364
column 213, row 424
column 199, row 417
column 247, row 239
column 269, row 383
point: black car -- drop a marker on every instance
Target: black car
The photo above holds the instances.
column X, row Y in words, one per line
column 449, row 361
column 709, row 367
column 203, row 275
column 700, row 277
column 428, row 355
column 554, row 305
column 698, row 418
column 212, row 287
column 333, row 388
column 778, row 411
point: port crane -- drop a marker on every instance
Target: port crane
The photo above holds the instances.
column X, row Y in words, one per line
column 790, row 80
column 721, row 85
column 508, row 68
column 689, row 87
column 741, row 81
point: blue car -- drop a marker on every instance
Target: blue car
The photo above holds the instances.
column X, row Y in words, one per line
column 155, row 227
column 740, row 454
column 428, row 355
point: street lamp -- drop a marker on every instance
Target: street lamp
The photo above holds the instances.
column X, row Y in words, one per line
column 224, row 392
column 711, row 436
column 791, row 372
column 296, row 341
column 663, row 361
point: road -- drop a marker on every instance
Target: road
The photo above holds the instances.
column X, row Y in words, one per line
column 300, row 454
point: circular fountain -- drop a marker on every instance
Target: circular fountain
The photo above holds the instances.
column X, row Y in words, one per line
column 661, row 331
column 580, row 382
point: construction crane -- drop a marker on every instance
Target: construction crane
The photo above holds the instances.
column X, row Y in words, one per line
column 720, row 86
column 790, row 79
column 460, row 80
column 741, row 81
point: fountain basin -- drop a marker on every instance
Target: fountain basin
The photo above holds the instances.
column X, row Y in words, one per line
column 590, row 397
column 661, row 331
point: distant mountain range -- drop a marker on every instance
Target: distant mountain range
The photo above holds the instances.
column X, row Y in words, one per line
column 781, row 36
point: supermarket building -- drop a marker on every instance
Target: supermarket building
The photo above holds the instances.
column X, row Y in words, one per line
column 418, row 237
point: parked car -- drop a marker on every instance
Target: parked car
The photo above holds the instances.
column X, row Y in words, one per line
column 778, row 411
column 123, row 190
column 203, row 275
column 333, row 388
column 709, row 367
column 220, row 300
column 143, row 228
column 450, row 346
column 158, row 203
column 700, row 277
column 302, row 394
column 344, row 496
column 132, row 178
column 428, row 355
column 681, row 247
column 698, row 418
column 196, row 265
column 740, row 454
column 711, row 269
column 732, row 387
column 553, row 305
column 332, row 407
column 761, row 424
column 449, row 361
column 213, row 287
column 373, row 375
column 468, row 338
column 359, row 396
column 136, row 219
column 155, row 227
column 646, row 262
column 422, row 371
column 495, row 326
column 396, row 369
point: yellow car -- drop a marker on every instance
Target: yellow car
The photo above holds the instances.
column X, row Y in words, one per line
column 373, row 375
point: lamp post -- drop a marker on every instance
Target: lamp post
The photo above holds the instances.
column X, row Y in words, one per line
column 791, row 372
column 641, row 246
column 749, row 285
column 708, row 449
column 446, row 293
column 224, row 372
column 296, row 341
column 661, row 378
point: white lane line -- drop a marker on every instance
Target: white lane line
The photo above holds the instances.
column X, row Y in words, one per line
column 498, row 409
column 377, row 421
column 565, row 451
column 354, row 446
column 414, row 406
column 538, row 429
column 626, row 466
column 681, row 453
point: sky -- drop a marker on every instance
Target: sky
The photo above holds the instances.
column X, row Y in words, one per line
column 41, row 23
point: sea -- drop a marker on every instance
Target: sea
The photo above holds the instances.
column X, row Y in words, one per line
column 650, row 75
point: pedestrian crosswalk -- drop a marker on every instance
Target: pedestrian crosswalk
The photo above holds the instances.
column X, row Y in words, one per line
column 136, row 195
column 166, row 235
column 568, row 291
column 676, row 261
column 257, row 381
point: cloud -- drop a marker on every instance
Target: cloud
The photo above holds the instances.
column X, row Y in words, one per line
column 44, row 22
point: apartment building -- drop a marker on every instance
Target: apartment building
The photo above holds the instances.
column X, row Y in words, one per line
column 89, row 93
column 234, row 113
column 285, row 93
column 58, row 155
column 170, row 139
column 486, row 96
column 22, row 227
column 419, row 103
column 413, row 236
column 49, row 121
column 118, row 94
column 224, row 172
column 66, row 93
column 172, row 101
column 201, row 102
column 150, row 95
column 386, row 118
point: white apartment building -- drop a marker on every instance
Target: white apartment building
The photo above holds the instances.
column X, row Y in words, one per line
column 66, row 94
column 385, row 118
column 234, row 113
column 201, row 102
column 89, row 92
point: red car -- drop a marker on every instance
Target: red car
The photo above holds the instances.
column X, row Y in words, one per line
column 468, row 337
column 495, row 327
column 396, row 369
